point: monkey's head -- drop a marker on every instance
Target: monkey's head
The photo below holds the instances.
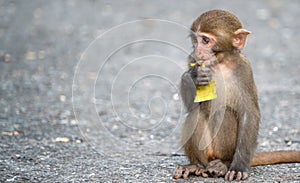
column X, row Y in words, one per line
column 217, row 31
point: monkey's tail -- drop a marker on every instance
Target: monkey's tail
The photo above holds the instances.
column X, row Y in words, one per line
column 275, row 157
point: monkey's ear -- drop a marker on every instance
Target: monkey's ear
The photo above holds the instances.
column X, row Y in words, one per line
column 239, row 39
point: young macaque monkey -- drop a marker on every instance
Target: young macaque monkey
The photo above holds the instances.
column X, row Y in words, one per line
column 219, row 136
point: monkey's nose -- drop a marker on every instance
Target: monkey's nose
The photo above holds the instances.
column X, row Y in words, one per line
column 199, row 56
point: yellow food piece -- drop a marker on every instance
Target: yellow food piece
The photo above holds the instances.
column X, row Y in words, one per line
column 205, row 93
column 192, row 64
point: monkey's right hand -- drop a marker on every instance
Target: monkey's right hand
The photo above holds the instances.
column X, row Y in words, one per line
column 201, row 76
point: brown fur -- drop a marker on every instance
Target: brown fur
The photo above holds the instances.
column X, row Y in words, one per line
column 225, row 128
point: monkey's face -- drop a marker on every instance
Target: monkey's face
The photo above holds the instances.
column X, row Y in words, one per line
column 203, row 44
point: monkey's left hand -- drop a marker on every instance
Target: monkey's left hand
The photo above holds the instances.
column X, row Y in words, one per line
column 201, row 76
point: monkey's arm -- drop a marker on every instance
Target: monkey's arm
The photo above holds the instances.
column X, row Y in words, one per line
column 188, row 91
column 195, row 76
column 249, row 118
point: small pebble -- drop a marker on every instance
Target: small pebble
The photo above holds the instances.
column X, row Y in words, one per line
column 92, row 175
column 7, row 133
column 143, row 116
column 30, row 55
column 7, row 57
column 62, row 98
column 73, row 122
column 12, row 179
column 78, row 141
column 62, row 139
column 14, row 133
column 176, row 96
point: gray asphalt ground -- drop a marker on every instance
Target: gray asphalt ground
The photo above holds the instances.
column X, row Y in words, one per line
column 89, row 89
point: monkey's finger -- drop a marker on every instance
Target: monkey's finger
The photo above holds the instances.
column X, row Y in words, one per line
column 202, row 84
column 205, row 175
column 245, row 176
column 178, row 172
column 204, row 71
column 202, row 81
column 230, row 175
column 204, row 78
column 221, row 173
column 238, row 176
column 199, row 171
column 186, row 173
column 227, row 175
column 204, row 74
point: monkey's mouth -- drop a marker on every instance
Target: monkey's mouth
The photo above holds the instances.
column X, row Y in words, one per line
column 208, row 63
column 204, row 63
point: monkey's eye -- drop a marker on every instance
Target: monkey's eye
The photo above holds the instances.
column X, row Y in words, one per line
column 205, row 40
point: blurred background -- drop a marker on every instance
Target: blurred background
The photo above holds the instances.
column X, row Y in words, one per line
column 84, row 84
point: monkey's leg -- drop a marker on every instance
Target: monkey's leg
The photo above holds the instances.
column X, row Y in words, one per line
column 190, row 139
column 223, row 143
column 186, row 170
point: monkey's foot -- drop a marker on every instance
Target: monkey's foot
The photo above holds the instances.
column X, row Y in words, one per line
column 216, row 168
column 185, row 170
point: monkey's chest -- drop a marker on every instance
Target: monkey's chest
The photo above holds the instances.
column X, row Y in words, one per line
column 226, row 88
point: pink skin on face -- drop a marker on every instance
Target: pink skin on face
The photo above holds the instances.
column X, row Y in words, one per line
column 203, row 44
